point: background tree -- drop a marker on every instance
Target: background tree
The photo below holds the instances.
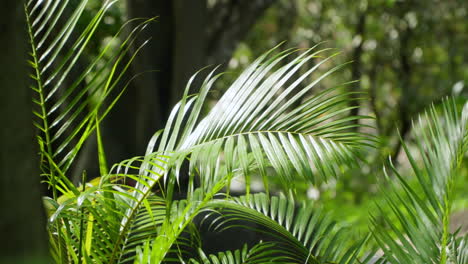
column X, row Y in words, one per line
column 186, row 36
column 22, row 224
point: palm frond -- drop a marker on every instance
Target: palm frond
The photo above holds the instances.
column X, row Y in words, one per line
column 305, row 234
column 89, row 223
column 458, row 249
column 69, row 107
column 218, row 148
column 260, row 253
column 254, row 126
column 421, row 233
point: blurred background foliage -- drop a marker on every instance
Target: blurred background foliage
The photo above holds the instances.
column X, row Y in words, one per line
column 406, row 55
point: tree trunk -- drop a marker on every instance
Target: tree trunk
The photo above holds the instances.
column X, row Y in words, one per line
column 356, row 69
column 230, row 21
column 22, row 224
column 186, row 36
column 143, row 108
column 189, row 45
column 173, row 54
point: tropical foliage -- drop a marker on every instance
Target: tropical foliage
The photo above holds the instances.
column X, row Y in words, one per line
column 149, row 209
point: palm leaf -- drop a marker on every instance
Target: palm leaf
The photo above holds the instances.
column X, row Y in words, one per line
column 252, row 126
column 458, row 250
column 254, row 117
column 260, row 253
column 218, row 146
column 305, row 234
column 422, row 212
column 84, row 223
column 89, row 222
column 69, row 110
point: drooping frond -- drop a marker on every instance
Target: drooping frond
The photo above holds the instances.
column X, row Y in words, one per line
column 421, row 232
column 304, row 234
column 265, row 120
column 260, row 253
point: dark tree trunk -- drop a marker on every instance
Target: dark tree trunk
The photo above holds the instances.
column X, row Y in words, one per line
column 144, row 106
column 408, row 93
column 230, row 21
column 356, row 70
column 189, row 44
column 186, row 36
column 22, row 224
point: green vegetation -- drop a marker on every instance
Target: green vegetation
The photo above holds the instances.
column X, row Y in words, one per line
column 283, row 122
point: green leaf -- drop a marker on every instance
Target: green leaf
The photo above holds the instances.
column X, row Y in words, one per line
column 421, row 232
